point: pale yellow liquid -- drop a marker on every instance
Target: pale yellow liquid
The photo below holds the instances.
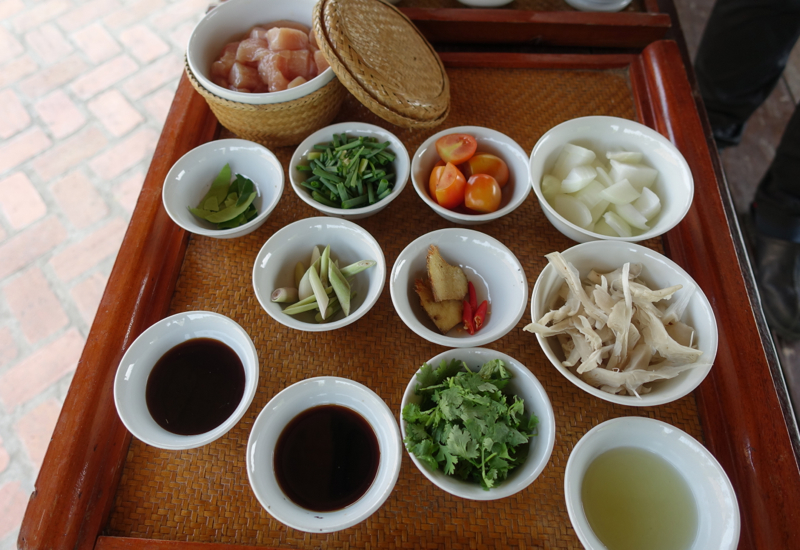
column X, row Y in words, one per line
column 636, row 500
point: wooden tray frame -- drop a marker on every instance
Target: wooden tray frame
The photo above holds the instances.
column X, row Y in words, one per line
column 552, row 28
column 746, row 419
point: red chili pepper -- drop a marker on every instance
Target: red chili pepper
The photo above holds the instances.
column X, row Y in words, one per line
column 473, row 299
column 480, row 315
column 468, row 318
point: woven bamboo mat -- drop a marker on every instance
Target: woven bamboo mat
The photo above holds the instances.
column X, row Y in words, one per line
column 203, row 494
column 526, row 5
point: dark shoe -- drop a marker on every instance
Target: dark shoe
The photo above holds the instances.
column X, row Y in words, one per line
column 778, row 277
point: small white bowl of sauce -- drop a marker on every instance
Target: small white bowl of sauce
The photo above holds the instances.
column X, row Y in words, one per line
column 186, row 380
column 635, row 482
column 324, row 454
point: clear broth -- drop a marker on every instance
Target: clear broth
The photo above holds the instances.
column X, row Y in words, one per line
column 635, row 499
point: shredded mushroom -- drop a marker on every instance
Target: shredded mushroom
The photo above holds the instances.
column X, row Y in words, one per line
column 618, row 333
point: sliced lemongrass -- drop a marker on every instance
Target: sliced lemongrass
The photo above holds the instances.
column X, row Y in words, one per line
column 603, row 177
column 319, row 290
column 629, row 213
column 333, row 307
column 578, row 178
column 570, row 157
column 304, row 289
column 573, row 210
column 299, row 271
column 620, row 226
column 551, row 186
column 591, row 194
column 315, row 254
column 628, row 157
column 638, row 175
column 602, row 227
column 358, row 267
column 324, row 260
column 285, row 294
column 648, row 204
column 340, row 287
column 621, row 192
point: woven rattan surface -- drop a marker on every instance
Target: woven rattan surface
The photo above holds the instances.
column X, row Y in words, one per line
column 527, row 5
column 381, row 57
column 203, row 494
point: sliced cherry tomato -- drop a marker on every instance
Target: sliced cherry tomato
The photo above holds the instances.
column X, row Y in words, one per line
column 489, row 164
column 436, row 173
column 456, row 148
column 450, row 189
column 482, row 194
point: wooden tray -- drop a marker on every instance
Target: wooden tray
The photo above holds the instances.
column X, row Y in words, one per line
column 97, row 489
column 540, row 22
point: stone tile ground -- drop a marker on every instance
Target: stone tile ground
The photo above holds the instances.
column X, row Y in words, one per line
column 85, row 87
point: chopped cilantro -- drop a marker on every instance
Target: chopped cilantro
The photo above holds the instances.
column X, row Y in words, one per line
column 466, row 425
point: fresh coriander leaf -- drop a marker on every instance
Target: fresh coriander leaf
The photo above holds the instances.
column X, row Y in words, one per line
column 460, row 443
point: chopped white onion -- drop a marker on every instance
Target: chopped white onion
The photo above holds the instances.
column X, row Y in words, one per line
column 551, row 186
column 638, row 175
column 629, row 213
column 590, row 195
column 648, row 204
column 616, row 223
column 570, row 157
column 572, row 210
column 602, row 227
column 603, row 177
column 628, row 157
column 621, row 192
column 578, row 178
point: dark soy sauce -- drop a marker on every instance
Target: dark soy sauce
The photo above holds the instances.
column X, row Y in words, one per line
column 195, row 386
column 326, row 458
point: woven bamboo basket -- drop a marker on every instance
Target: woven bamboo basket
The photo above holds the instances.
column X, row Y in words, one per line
column 276, row 124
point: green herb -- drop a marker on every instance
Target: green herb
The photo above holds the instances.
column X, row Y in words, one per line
column 352, row 170
column 465, row 425
column 228, row 203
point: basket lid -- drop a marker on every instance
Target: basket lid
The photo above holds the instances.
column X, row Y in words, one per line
column 383, row 59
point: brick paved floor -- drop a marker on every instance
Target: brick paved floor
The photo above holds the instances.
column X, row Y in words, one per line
column 85, row 87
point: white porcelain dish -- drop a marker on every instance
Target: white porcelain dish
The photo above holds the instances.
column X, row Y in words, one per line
column 284, row 407
column 674, row 185
column 485, row 3
column 275, row 263
column 523, row 384
column 659, row 272
column 228, row 22
column 489, row 141
column 140, row 358
column 190, row 178
column 352, row 129
column 718, row 523
column 492, row 268
column 599, row 5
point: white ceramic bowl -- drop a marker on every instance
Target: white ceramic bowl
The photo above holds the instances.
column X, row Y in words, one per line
column 523, row 384
column 659, row 272
column 288, row 404
column 493, row 269
column 228, row 22
column 674, row 185
column 140, row 358
column 190, row 178
column 489, row 141
column 599, row 5
column 718, row 512
column 352, row 129
column 275, row 262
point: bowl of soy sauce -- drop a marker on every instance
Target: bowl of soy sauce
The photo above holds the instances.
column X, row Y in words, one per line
column 186, row 380
column 324, row 454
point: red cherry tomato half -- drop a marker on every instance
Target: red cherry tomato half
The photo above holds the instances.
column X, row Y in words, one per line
column 482, row 194
column 450, row 188
column 434, row 179
column 456, row 148
column 489, row 164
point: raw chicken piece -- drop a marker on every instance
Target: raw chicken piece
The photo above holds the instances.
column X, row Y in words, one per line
column 320, row 61
column 312, row 41
column 258, row 32
column 299, row 63
column 283, row 38
column 269, row 69
column 287, row 24
column 222, row 67
column 251, row 50
column 243, row 77
column 296, row 82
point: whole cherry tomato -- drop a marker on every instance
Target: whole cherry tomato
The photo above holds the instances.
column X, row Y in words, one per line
column 489, row 164
column 456, row 148
column 436, row 173
column 450, row 188
column 482, row 194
